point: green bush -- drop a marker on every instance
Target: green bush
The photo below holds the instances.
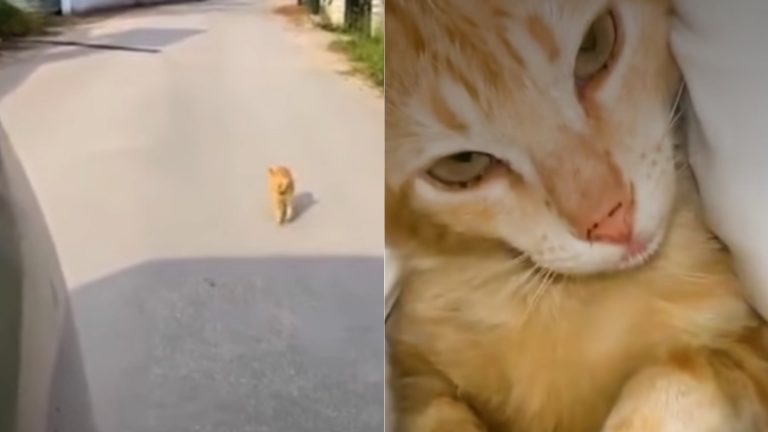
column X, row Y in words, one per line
column 367, row 52
column 15, row 22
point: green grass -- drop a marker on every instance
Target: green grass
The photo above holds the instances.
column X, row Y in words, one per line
column 367, row 52
column 16, row 23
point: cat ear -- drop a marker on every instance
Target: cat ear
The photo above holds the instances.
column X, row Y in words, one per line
column 271, row 169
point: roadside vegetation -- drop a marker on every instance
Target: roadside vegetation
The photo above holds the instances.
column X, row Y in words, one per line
column 365, row 50
column 15, row 22
column 363, row 46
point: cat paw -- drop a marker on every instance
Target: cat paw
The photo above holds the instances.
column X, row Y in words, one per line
column 443, row 415
column 665, row 399
column 280, row 217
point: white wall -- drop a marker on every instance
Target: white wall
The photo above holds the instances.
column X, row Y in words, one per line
column 377, row 15
column 81, row 6
column 334, row 10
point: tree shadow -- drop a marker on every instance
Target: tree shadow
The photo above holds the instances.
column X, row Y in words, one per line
column 286, row 343
column 23, row 57
column 144, row 39
column 19, row 59
column 164, row 7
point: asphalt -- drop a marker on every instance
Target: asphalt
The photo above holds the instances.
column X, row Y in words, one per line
column 193, row 310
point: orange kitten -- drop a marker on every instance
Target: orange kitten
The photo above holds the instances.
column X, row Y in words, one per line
column 281, row 189
column 551, row 276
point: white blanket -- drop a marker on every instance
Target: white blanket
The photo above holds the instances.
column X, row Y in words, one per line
column 721, row 48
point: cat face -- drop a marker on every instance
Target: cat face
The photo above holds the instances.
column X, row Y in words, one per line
column 541, row 123
column 280, row 179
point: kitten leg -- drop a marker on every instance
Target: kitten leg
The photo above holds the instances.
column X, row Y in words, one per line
column 687, row 396
column 280, row 213
column 288, row 211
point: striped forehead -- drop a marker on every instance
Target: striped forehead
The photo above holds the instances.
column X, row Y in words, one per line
column 538, row 39
column 547, row 33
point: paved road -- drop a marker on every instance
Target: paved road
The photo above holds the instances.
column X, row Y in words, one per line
column 195, row 312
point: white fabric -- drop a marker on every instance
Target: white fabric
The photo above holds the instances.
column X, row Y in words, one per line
column 722, row 49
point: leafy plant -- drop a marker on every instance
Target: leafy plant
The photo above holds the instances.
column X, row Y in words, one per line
column 15, row 22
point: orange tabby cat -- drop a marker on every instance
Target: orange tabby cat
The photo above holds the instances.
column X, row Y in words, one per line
column 551, row 277
column 281, row 189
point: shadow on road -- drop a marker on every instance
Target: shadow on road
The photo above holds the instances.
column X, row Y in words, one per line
column 24, row 57
column 16, row 69
column 302, row 203
column 236, row 344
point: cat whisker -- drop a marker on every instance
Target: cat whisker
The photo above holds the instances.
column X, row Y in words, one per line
column 676, row 104
column 518, row 283
column 519, row 259
column 546, row 279
column 670, row 128
column 674, row 120
column 681, row 166
column 527, row 278
column 675, row 114
column 540, row 288
column 549, row 280
column 530, row 291
column 538, row 276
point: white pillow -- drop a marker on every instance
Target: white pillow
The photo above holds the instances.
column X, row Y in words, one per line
column 721, row 48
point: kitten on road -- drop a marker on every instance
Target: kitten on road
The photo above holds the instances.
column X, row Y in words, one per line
column 281, row 189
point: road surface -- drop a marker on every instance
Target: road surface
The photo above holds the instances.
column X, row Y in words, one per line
column 195, row 312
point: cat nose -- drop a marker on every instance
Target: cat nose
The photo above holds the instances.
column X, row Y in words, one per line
column 610, row 223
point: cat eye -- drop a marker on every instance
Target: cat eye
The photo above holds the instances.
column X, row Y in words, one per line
column 597, row 47
column 461, row 170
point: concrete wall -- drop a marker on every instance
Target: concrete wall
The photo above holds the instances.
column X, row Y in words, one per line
column 333, row 11
column 82, row 6
column 68, row 7
column 377, row 15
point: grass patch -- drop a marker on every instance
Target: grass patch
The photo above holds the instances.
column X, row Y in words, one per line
column 367, row 52
column 15, row 22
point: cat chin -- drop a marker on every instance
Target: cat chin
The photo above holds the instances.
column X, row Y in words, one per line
column 640, row 257
column 606, row 259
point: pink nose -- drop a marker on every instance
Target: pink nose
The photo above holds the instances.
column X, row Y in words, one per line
column 611, row 224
